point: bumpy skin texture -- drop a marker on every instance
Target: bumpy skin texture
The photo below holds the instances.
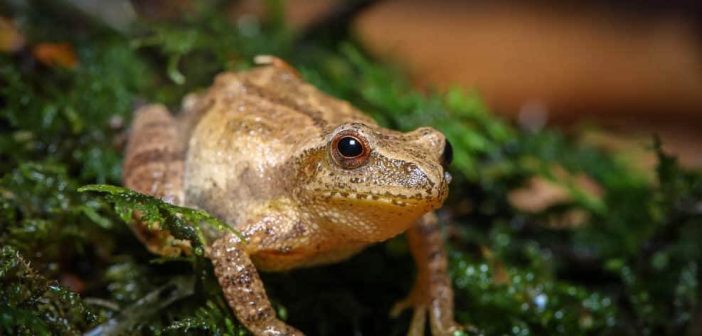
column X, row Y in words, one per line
column 259, row 149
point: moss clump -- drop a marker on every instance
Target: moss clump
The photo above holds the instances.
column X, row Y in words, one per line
column 32, row 305
column 70, row 265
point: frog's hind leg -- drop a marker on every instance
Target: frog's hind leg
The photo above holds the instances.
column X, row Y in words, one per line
column 154, row 165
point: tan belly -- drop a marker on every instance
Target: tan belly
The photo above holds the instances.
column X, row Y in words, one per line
column 276, row 260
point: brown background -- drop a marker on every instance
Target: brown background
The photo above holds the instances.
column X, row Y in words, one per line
column 632, row 67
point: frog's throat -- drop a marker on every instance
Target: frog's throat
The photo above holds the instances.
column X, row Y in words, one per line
column 371, row 220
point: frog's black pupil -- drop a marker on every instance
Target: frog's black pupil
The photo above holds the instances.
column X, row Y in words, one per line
column 350, row 147
column 448, row 153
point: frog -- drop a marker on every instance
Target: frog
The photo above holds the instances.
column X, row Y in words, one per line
column 302, row 179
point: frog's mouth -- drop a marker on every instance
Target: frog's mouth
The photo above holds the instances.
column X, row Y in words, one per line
column 426, row 200
column 390, row 200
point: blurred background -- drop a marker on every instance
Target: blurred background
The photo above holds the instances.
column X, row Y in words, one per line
column 633, row 68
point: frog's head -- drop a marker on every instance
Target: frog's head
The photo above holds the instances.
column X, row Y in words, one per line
column 372, row 183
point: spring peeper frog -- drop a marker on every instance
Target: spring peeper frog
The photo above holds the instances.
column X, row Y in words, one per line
column 306, row 179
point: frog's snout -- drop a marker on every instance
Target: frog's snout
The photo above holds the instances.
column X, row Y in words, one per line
column 434, row 143
column 439, row 152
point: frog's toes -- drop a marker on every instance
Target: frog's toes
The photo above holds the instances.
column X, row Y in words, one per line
column 419, row 318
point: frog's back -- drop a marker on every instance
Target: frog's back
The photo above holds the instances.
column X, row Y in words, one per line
column 249, row 123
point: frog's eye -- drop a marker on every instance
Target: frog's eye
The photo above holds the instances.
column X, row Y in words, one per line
column 349, row 149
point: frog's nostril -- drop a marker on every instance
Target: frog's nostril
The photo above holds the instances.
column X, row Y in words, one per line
column 447, row 155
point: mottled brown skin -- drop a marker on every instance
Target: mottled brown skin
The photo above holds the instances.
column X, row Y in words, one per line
column 258, row 150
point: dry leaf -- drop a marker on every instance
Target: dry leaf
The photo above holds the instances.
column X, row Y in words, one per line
column 56, row 54
column 538, row 194
column 11, row 40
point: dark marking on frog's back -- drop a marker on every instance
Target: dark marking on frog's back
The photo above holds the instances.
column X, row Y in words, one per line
column 315, row 115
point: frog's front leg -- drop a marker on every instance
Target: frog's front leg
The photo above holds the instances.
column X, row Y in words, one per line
column 432, row 292
column 244, row 289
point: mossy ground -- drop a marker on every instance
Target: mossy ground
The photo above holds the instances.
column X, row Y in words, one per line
column 70, row 265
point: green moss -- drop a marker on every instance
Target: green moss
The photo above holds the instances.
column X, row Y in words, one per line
column 632, row 269
column 183, row 223
column 32, row 305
